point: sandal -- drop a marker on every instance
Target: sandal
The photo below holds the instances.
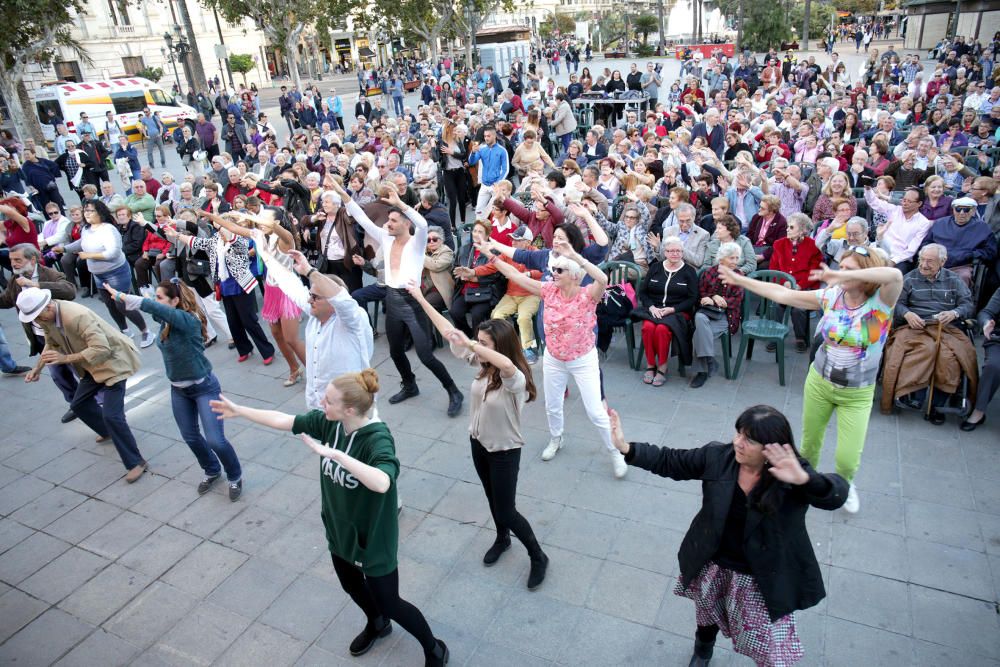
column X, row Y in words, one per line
column 649, row 375
column 294, row 376
column 660, row 379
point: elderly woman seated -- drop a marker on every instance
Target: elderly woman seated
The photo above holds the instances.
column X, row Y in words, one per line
column 727, row 230
column 718, row 311
column 855, row 235
column 436, row 281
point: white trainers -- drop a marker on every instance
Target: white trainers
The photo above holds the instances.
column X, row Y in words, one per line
column 618, row 464
column 853, row 503
column 147, row 339
column 555, row 443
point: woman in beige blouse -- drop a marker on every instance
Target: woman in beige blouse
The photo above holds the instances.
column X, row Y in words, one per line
column 530, row 151
column 502, row 387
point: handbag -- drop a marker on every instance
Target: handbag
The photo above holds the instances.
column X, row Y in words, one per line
column 198, row 268
column 478, row 294
column 323, row 262
column 713, row 312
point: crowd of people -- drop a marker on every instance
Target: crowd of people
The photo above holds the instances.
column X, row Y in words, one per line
column 518, row 229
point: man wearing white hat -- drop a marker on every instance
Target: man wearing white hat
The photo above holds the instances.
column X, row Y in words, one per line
column 103, row 358
column 965, row 236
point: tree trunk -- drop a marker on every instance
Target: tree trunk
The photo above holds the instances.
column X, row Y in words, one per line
column 292, row 57
column 659, row 22
column 198, row 79
column 25, row 125
column 739, row 30
column 805, row 26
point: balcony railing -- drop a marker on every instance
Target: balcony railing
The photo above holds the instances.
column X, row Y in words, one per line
column 123, row 31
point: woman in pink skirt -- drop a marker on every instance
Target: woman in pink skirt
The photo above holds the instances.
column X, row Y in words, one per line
column 747, row 560
column 272, row 242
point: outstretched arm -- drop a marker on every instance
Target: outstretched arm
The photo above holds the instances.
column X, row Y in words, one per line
column 512, row 274
column 226, row 409
column 371, row 477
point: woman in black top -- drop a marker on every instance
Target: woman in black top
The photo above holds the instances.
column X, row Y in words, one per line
column 667, row 299
column 615, row 83
column 747, row 560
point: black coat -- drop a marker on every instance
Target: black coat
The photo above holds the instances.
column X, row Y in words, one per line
column 776, row 546
column 681, row 295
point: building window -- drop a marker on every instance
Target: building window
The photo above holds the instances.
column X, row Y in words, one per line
column 132, row 64
column 68, row 70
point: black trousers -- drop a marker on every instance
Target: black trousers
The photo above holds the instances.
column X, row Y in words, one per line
column 458, row 196
column 145, row 269
column 477, row 313
column 403, row 314
column 379, row 597
column 498, row 473
column 352, row 277
column 241, row 314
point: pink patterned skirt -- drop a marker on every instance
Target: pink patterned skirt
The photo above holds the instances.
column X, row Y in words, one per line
column 277, row 305
column 733, row 601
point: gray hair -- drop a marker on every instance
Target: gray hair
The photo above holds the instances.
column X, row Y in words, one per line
column 832, row 163
column 686, row 208
column 567, row 264
column 671, row 240
column 332, row 196
column 29, row 251
column 805, row 222
column 435, row 229
column 729, row 248
column 429, row 196
column 857, row 220
column 941, row 251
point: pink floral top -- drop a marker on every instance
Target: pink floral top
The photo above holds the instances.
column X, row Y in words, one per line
column 569, row 323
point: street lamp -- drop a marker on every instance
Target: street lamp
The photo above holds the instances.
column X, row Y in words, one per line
column 177, row 49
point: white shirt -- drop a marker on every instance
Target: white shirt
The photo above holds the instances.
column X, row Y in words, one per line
column 343, row 344
column 411, row 260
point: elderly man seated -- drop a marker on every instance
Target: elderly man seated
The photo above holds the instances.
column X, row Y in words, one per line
column 966, row 237
column 855, row 235
column 925, row 347
column 694, row 238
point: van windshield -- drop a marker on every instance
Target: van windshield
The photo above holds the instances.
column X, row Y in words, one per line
column 161, row 98
column 130, row 102
column 44, row 106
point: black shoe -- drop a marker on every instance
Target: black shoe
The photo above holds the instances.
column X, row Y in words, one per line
column 408, row 391
column 21, row 370
column 493, row 555
column 801, row 346
column 440, row 656
column 232, row 346
column 68, row 417
column 455, row 399
column 935, row 417
column 972, row 426
column 702, row 653
column 771, row 347
column 235, row 490
column 211, row 342
column 908, row 403
column 371, row 634
column 536, row 575
column 206, row 484
column 698, row 380
column 86, row 293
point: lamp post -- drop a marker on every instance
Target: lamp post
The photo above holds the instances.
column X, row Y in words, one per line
column 178, row 48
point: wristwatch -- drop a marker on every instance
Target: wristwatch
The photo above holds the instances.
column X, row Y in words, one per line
column 310, row 272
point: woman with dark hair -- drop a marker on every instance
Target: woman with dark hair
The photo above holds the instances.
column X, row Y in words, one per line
column 615, row 83
column 499, row 393
column 746, row 561
column 333, row 234
column 192, row 383
column 454, row 153
column 100, row 244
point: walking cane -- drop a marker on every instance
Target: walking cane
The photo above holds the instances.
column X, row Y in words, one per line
column 937, row 352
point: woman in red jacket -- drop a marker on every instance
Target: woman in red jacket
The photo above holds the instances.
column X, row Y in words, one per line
column 154, row 250
column 797, row 255
column 773, row 148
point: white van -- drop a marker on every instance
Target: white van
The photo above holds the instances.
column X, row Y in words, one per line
column 125, row 98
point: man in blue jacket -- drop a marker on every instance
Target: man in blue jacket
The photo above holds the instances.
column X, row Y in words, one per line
column 966, row 237
column 495, row 165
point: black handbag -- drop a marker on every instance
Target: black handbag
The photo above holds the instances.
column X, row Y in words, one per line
column 322, row 261
column 478, row 294
column 197, row 267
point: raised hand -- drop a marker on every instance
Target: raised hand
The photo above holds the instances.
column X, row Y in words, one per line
column 302, row 265
column 785, row 466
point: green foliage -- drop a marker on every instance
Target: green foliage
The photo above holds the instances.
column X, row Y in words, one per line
column 242, row 63
column 765, row 25
column 858, row 6
column 154, row 74
column 564, row 23
column 645, row 51
column 35, row 28
column 819, row 18
column 644, row 25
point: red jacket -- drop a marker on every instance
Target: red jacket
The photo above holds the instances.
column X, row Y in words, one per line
column 797, row 260
column 155, row 242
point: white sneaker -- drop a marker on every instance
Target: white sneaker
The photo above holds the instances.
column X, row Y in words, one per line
column 618, row 463
column 555, row 443
column 147, row 339
column 853, row 503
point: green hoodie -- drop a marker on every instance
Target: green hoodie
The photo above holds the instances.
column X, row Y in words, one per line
column 361, row 525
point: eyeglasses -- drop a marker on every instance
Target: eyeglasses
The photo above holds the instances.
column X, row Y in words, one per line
column 433, row 239
column 558, row 270
column 962, row 209
column 53, row 212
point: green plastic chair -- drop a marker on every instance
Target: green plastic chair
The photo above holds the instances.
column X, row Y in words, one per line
column 625, row 272
column 765, row 321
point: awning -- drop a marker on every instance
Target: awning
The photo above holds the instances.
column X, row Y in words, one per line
column 365, row 52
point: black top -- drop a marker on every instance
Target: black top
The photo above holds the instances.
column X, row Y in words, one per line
column 634, row 80
column 678, row 290
column 776, row 546
column 730, row 554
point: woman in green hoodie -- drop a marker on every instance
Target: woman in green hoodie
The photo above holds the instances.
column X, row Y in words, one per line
column 358, row 473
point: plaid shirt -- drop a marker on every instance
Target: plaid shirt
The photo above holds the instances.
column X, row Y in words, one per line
column 711, row 284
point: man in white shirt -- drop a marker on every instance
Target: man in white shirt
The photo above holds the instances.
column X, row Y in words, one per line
column 403, row 254
column 904, row 229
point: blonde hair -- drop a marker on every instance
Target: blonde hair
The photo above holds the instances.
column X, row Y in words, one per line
column 357, row 390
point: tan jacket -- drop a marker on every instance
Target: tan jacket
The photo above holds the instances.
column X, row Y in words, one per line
column 438, row 266
column 91, row 343
column 49, row 279
column 909, row 362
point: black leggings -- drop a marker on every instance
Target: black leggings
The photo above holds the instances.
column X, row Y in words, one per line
column 119, row 314
column 455, row 188
column 498, row 473
column 379, row 597
column 403, row 314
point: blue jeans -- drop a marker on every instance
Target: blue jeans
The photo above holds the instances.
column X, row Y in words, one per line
column 397, row 106
column 107, row 419
column 7, row 363
column 190, row 403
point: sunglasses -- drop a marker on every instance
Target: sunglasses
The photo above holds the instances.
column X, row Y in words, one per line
column 55, row 212
column 859, row 250
column 558, row 270
column 433, row 239
column 962, row 209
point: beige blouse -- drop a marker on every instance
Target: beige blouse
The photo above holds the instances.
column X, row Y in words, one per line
column 495, row 419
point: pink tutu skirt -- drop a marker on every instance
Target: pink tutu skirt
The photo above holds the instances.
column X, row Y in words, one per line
column 277, row 306
column 733, row 601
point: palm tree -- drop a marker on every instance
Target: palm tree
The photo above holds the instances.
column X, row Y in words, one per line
column 644, row 25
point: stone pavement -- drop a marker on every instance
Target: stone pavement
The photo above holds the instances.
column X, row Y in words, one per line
column 94, row 571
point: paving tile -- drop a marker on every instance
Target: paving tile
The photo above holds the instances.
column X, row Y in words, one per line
column 599, row 639
column 971, row 626
column 17, row 609
column 933, row 522
column 94, row 479
column 344, row 628
column 168, row 500
column 937, row 486
column 464, row 502
column 204, row 568
column 438, row 540
column 20, row 492
column 154, row 611
column 66, row 465
column 647, row 547
column 119, row 535
column 64, row 575
column 468, row 602
column 252, row 587
column 44, row 640
column 261, row 645
column 28, row 556
column 290, row 495
column 535, row 623
column 206, row 516
column 299, row 545
column 11, row 532
column 585, row 532
column 926, row 653
column 869, row 551
column 83, row 520
column 879, row 512
column 129, row 495
column 109, row 591
column 317, row 657
column 423, row 490
column 305, row 608
column 100, row 648
column 201, row 636
column 48, row 507
column 869, row 600
column 629, row 593
column 949, row 568
column 160, row 551
column 490, row 653
column 863, row 645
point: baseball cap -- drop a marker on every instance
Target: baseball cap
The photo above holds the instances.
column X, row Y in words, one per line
column 31, row 302
column 522, row 233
